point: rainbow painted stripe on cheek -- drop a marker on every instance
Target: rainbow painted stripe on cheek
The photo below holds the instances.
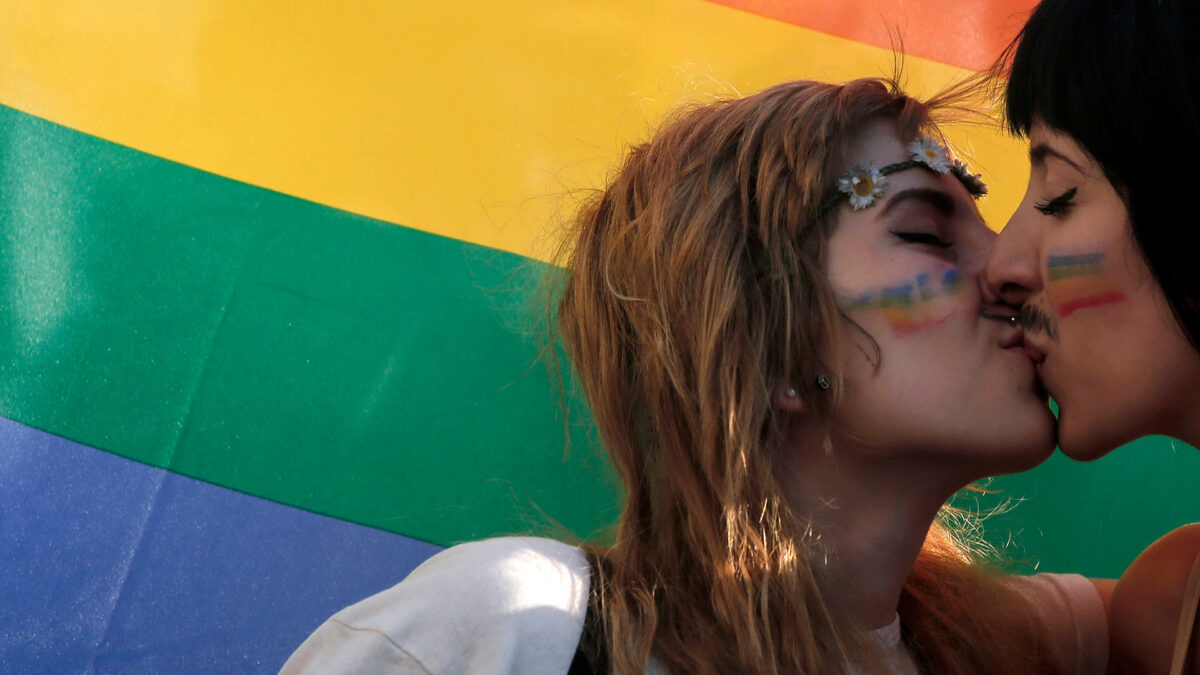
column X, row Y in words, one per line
column 1077, row 282
column 911, row 306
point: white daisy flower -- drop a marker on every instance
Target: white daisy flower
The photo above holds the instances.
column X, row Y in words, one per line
column 864, row 184
column 972, row 181
column 930, row 153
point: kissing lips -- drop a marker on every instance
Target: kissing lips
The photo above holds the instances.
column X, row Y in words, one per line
column 1035, row 354
column 1017, row 339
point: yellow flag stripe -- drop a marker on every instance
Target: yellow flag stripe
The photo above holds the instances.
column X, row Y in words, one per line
column 477, row 121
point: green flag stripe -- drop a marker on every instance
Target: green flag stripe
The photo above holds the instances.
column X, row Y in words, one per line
column 278, row 347
column 365, row 370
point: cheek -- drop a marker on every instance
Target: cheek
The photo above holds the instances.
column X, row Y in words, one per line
column 1119, row 381
column 1118, row 352
column 910, row 307
column 935, row 394
column 1111, row 311
column 1085, row 282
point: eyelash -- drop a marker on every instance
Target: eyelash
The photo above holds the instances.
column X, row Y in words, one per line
column 923, row 238
column 1059, row 206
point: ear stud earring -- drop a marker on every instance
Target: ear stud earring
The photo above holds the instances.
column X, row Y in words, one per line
column 791, row 392
column 823, row 382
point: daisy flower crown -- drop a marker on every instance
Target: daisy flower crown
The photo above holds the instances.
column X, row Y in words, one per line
column 865, row 183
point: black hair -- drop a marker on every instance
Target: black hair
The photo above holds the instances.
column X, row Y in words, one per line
column 1122, row 77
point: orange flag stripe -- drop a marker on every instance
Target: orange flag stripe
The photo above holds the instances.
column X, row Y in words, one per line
column 964, row 33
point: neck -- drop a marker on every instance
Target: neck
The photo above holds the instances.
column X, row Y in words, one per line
column 1186, row 425
column 872, row 515
column 1182, row 420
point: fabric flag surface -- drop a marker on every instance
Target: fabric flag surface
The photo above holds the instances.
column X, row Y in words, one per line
column 269, row 330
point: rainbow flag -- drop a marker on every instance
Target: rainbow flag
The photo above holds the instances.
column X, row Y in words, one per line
column 265, row 329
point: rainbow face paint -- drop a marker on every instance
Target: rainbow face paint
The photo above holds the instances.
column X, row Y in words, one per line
column 1077, row 282
column 912, row 305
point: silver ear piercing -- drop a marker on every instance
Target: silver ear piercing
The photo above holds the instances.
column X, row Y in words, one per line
column 823, row 382
column 791, row 392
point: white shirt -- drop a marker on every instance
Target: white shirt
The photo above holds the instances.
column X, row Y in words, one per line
column 517, row 605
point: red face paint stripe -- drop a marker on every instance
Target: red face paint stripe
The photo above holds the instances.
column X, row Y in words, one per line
column 908, row 325
column 1067, row 308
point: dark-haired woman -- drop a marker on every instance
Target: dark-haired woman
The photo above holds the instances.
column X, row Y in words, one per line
column 1101, row 258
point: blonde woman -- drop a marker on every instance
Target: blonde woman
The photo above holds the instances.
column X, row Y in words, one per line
column 775, row 310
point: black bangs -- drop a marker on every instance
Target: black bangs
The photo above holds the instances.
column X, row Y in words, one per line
column 1107, row 72
column 1072, row 59
column 1028, row 89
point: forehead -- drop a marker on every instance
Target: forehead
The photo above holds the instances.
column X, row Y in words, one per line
column 878, row 142
column 1047, row 143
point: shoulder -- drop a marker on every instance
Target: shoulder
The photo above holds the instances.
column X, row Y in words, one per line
column 511, row 604
column 1147, row 601
column 1073, row 612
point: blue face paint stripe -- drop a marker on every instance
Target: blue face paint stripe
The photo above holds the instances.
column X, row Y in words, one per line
column 1077, row 265
column 924, row 287
column 906, row 295
column 898, row 296
column 1077, row 259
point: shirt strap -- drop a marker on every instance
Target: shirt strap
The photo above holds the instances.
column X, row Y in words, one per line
column 1187, row 621
column 591, row 656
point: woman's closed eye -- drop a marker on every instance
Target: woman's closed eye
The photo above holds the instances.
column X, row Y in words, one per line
column 923, row 238
column 1059, row 206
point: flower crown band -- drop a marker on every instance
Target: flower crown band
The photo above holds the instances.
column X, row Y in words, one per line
column 864, row 183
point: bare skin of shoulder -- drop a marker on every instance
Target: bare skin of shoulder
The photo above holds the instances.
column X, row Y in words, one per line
column 1146, row 604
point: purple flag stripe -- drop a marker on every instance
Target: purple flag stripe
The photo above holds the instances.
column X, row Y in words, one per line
column 110, row 565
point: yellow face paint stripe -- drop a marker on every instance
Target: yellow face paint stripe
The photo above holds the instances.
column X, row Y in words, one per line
column 479, row 123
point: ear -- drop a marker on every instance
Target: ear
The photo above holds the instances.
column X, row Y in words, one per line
column 787, row 398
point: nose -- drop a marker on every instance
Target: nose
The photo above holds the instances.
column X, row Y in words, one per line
column 1012, row 273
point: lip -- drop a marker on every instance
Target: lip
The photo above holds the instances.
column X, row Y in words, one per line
column 1036, row 353
column 1016, row 341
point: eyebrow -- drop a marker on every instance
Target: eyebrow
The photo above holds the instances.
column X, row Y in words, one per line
column 1039, row 153
column 938, row 199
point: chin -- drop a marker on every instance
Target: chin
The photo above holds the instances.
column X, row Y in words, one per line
column 1031, row 455
column 1029, row 443
column 1081, row 440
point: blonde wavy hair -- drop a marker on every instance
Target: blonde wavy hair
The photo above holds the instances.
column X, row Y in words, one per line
column 695, row 285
